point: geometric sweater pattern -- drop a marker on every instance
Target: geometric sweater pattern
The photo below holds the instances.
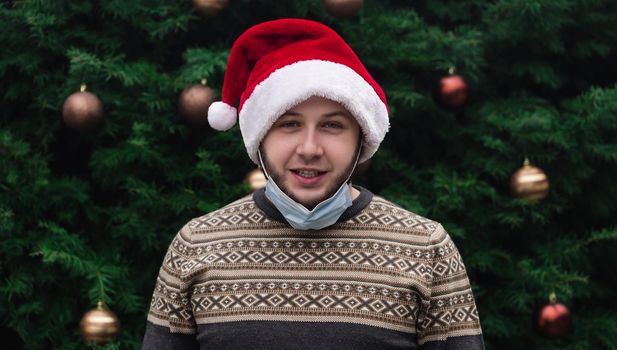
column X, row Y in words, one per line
column 383, row 267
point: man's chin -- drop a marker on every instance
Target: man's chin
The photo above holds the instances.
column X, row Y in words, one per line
column 307, row 196
column 308, row 200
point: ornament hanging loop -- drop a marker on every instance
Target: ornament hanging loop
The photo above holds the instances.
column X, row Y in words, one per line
column 552, row 298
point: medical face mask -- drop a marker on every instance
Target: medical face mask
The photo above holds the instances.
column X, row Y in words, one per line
column 299, row 217
column 324, row 214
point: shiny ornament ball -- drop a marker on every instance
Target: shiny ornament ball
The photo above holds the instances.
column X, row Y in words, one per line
column 99, row 325
column 451, row 92
column 194, row 102
column 529, row 182
column 553, row 319
column 343, row 8
column 83, row 111
column 209, row 8
column 361, row 169
column 256, row 179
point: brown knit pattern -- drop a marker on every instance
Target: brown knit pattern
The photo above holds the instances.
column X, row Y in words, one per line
column 385, row 267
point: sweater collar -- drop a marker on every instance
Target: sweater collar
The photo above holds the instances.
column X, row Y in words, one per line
column 273, row 213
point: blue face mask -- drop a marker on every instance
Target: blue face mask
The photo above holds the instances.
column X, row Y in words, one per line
column 323, row 215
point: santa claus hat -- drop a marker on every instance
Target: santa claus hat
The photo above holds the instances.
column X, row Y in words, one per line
column 275, row 65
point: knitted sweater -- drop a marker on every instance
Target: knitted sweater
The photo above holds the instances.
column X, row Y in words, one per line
column 380, row 278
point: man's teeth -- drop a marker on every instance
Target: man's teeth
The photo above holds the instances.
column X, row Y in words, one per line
column 307, row 173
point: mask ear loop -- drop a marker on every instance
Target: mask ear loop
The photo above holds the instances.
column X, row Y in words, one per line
column 360, row 144
column 261, row 164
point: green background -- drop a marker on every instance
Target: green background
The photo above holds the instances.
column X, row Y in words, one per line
column 85, row 216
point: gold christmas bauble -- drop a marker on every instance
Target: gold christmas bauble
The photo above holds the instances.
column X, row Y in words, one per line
column 343, row 8
column 529, row 182
column 82, row 110
column 99, row 325
column 194, row 101
column 210, row 7
column 256, row 179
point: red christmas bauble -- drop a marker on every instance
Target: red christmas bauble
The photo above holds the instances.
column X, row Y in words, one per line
column 451, row 92
column 554, row 319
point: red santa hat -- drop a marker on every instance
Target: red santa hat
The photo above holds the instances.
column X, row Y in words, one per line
column 274, row 66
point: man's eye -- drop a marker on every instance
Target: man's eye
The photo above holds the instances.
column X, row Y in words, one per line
column 290, row 124
column 333, row 125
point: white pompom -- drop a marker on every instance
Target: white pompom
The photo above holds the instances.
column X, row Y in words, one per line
column 222, row 116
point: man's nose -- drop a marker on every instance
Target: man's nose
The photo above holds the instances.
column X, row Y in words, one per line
column 310, row 145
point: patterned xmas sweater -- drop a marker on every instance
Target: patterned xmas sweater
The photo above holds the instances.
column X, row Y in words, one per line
column 380, row 278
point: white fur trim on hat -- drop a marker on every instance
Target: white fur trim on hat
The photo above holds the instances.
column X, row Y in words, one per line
column 222, row 116
column 288, row 86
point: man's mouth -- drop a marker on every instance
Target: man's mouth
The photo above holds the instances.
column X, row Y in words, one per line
column 308, row 173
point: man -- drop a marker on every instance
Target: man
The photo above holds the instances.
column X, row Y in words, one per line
column 309, row 262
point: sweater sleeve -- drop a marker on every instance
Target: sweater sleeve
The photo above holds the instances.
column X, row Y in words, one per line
column 170, row 321
column 449, row 319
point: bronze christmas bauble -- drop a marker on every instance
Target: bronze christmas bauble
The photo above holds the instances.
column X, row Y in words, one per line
column 553, row 319
column 529, row 182
column 194, row 102
column 451, row 92
column 82, row 110
column 99, row 325
column 343, row 8
column 256, row 179
column 361, row 169
column 210, row 7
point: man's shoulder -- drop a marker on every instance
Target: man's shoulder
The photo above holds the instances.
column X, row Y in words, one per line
column 242, row 211
column 387, row 215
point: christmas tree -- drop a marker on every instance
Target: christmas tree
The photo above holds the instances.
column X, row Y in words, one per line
column 86, row 213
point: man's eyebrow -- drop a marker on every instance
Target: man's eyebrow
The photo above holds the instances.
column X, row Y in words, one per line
column 343, row 113
column 290, row 113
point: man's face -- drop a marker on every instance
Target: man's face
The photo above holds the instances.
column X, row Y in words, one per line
column 310, row 150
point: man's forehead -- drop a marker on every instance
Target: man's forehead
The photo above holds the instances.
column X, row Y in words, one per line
column 330, row 113
column 317, row 102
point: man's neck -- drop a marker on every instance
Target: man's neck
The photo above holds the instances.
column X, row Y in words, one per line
column 360, row 196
